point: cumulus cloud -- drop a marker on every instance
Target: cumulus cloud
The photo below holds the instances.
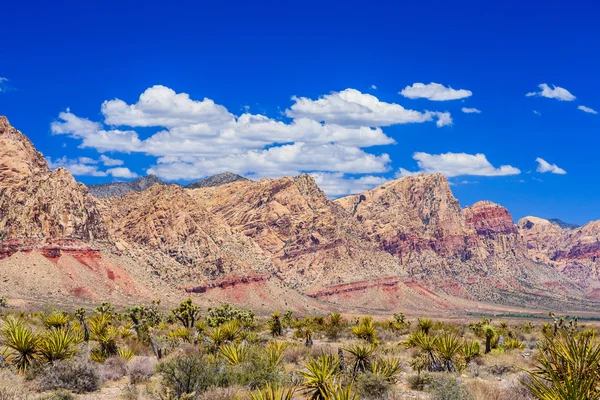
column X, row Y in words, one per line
column 85, row 166
column 110, row 162
column 544, row 166
column 3, row 84
column 337, row 184
column 434, row 91
column 587, row 110
column 352, row 108
column 195, row 138
column 457, row 164
column 373, row 87
column 555, row 92
column 121, row 172
column 468, row 110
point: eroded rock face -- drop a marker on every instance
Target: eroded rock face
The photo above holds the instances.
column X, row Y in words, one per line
column 37, row 203
column 575, row 252
column 191, row 243
column 312, row 241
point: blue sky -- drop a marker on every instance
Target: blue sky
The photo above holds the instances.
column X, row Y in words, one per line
column 316, row 88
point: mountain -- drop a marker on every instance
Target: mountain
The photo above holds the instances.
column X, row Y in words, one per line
column 280, row 244
column 216, row 180
column 562, row 224
column 106, row 190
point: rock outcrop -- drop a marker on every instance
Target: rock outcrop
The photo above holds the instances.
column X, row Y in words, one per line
column 216, row 180
column 106, row 190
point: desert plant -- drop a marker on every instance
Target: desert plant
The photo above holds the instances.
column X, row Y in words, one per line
column 470, row 350
column 234, row 353
column 427, row 345
column 448, row 347
column 125, row 353
column 76, row 375
column 372, row 386
column 275, row 352
column 58, row 344
column 489, row 333
column 275, row 326
column 361, row 357
column 511, row 343
column 424, row 325
column 56, row 320
column 114, row 368
column 187, row 313
column 22, row 343
column 334, row 325
column 568, row 368
column 225, row 313
column 104, row 332
column 386, row 368
column 445, row 387
column 273, row 393
column 318, row 376
column 187, row 375
column 366, row 330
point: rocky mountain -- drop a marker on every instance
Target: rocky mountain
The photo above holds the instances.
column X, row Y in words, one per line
column 216, row 180
column 280, row 244
column 562, row 224
column 112, row 189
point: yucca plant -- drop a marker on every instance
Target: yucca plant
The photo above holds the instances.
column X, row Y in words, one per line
column 340, row 392
column 489, row 333
column 366, row 330
column 568, row 369
column 22, row 343
column 319, row 375
column 273, row 393
column 448, row 346
column 56, row 320
column 511, row 343
column 387, row 368
column 105, row 333
column 361, row 357
column 228, row 332
column 427, row 345
column 424, row 325
column 125, row 353
column 274, row 352
column 470, row 350
column 234, row 353
column 180, row 333
column 58, row 344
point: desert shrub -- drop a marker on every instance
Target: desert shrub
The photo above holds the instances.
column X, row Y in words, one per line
column 418, row 381
column 59, row 395
column 511, row 343
column 78, row 376
column 366, row 330
column 187, row 374
column 334, row 325
column 227, row 393
column 140, row 370
column 225, row 313
column 445, row 387
column 275, row 326
column 319, row 376
column 372, row 386
column 113, row 369
column 255, row 371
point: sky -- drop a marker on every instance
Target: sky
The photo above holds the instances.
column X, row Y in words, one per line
column 501, row 98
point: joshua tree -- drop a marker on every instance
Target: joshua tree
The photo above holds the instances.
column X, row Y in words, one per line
column 489, row 333
column 187, row 313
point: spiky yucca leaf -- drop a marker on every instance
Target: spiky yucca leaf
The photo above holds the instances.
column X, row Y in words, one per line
column 22, row 343
column 386, row 368
column 58, row 344
column 273, row 393
column 339, row 392
column 125, row 353
column 568, row 369
column 511, row 343
column 470, row 350
column 361, row 356
column 274, row 351
column 319, row 377
column 448, row 346
column 56, row 320
column 180, row 333
column 366, row 330
column 234, row 353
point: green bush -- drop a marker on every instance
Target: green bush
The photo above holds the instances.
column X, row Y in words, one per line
column 372, row 386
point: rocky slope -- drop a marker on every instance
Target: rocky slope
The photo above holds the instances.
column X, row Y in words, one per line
column 106, row 190
column 280, row 243
column 216, row 180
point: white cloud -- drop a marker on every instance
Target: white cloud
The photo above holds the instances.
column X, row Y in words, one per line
column 468, row 110
column 3, row 84
column 373, row 87
column 457, row 164
column 110, row 162
column 336, row 184
column 353, row 108
column 77, row 167
column 434, row 91
column 85, row 166
column 121, row 172
column 587, row 110
column 326, row 137
column 536, row 112
column 555, row 92
column 544, row 166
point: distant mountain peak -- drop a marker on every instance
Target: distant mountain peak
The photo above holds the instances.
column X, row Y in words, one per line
column 106, row 190
column 216, row 180
column 562, row 224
